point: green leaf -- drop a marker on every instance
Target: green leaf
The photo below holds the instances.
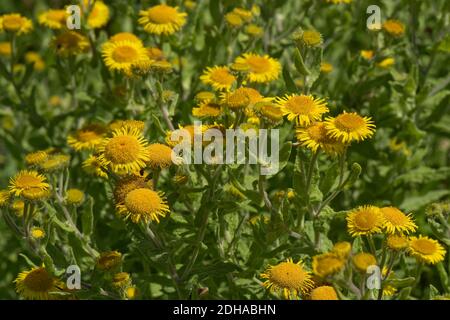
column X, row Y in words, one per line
column 300, row 64
column 417, row 202
column 445, row 44
column 87, row 217
column 314, row 67
column 214, row 9
column 290, row 84
column 27, row 260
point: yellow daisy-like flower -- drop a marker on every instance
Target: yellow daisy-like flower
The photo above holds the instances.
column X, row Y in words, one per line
column 304, row 109
column 124, row 36
column 261, row 69
column 129, row 123
column 397, row 242
column 109, row 260
column 242, row 97
column 394, row 28
column 245, row 15
column 143, row 204
column 35, row 194
column 326, row 67
column 53, row 19
column 70, row 43
column 268, row 111
column 154, row 53
column 125, row 152
column 348, row 127
column 234, row 19
column 132, row 292
column 74, row 197
column 311, row 38
column 122, row 55
column 327, row 264
column 342, row 249
column 128, row 183
column 98, row 14
column 386, row 63
column 207, row 109
column 426, row 250
column 15, row 23
column 365, row 220
column 323, row 293
column 288, row 278
column 37, row 284
column 218, row 77
column 35, row 158
column 162, row 19
column 35, row 59
column 94, row 166
column 160, row 156
column 55, row 163
column 339, row 1
column 254, row 30
column 363, row 260
column 87, row 138
column 37, row 233
column 27, row 180
column 367, row 54
column 121, row 280
column 316, row 136
column 204, row 96
column 4, row 197
column 5, row 49
column 397, row 222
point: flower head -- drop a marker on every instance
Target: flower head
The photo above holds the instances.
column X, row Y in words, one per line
column 98, row 15
column 288, row 278
column 349, row 127
column 143, row 204
column 37, row 233
column 396, row 221
column 15, row 23
column 316, row 137
column 28, row 180
column 94, row 166
column 162, row 19
column 218, row 77
column 207, row 109
column 160, row 156
column 397, row 242
column 394, row 28
column 323, row 293
column 53, row 18
column 304, row 109
column 35, row 158
column 37, row 284
column 123, row 55
column 365, row 220
column 426, row 250
column 109, row 260
column 87, row 138
column 70, row 43
column 74, row 197
column 363, row 260
column 342, row 249
column 259, row 68
column 327, row 264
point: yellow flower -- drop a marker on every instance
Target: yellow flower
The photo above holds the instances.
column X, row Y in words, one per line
column 27, row 180
column 124, row 36
column 311, row 38
column 131, row 292
column 233, row 19
column 316, row 136
column 87, row 138
column 241, row 98
column 54, row 101
column 4, row 197
column 347, row 127
column 288, row 278
column 121, row 280
column 162, row 19
column 386, row 63
column 98, row 14
column 125, row 152
column 327, row 264
column 35, row 158
column 128, row 183
column 53, row 19
column 207, row 109
column 323, row 293
column 160, row 156
column 394, row 28
column 268, row 111
column 339, row 1
column 5, row 49
column 74, row 197
column 122, row 55
column 363, row 260
column 218, row 77
column 244, row 14
column 426, row 250
column 37, row 233
column 326, row 67
column 129, row 123
column 204, row 96
column 397, row 222
column 37, row 284
column 15, row 23
column 261, row 69
column 94, row 166
column 397, row 242
column 35, row 59
column 70, row 43
column 303, row 109
column 55, row 163
column 254, row 30
column 109, row 260
column 367, row 54
column 342, row 249
column 154, row 53
column 18, row 207
column 143, row 204
column 365, row 220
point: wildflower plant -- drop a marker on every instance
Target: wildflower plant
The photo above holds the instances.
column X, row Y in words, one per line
column 91, row 173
